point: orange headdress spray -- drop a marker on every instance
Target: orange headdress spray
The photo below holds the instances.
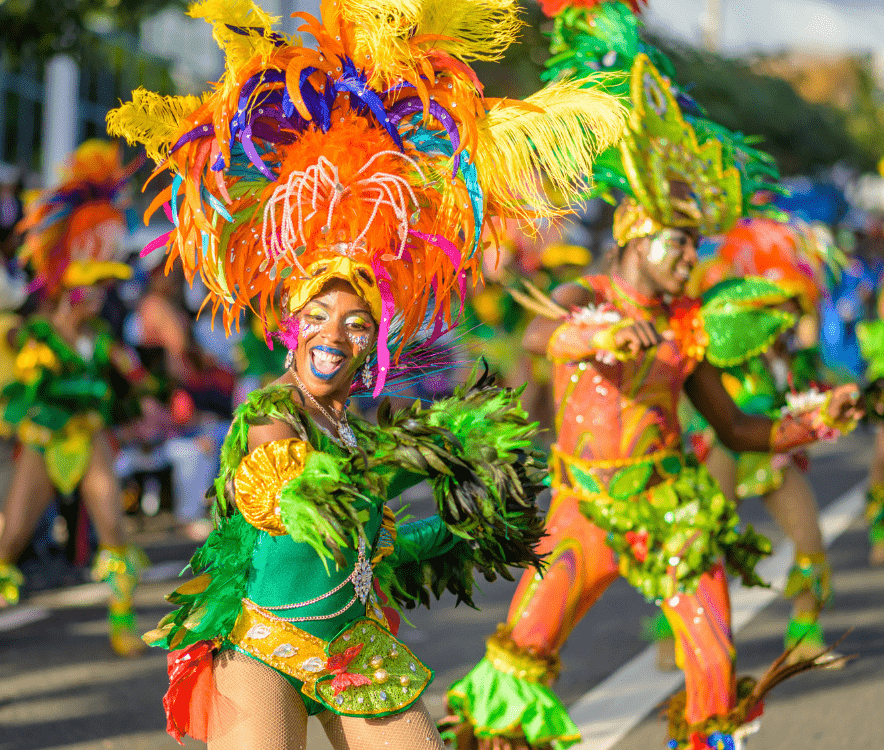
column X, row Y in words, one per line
column 72, row 232
column 374, row 156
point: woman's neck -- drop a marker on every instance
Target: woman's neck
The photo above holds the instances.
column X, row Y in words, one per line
column 333, row 403
column 64, row 325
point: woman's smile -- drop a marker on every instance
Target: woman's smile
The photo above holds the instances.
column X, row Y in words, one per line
column 326, row 361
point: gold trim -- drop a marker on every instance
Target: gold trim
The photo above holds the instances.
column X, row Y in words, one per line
column 613, row 463
column 396, row 681
column 507, row 657
column 248, row 634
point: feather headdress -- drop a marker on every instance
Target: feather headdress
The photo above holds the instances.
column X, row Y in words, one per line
column 669, row 137
column 793, row 255
column 72, row 232
column 378, row 146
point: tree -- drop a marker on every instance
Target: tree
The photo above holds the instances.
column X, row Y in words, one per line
column 47, row 27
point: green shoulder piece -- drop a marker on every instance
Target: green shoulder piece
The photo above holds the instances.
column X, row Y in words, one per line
column 741, row 319
column 324, row 506
column 871, row 343
column 41, row 330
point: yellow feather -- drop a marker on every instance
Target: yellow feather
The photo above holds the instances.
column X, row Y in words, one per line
column 239, row 48
column 476, row 30
column 555, row 140
column 151, row 119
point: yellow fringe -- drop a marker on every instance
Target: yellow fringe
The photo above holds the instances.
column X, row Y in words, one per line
column 556, row 137
column 388, row 33
column 151, row 119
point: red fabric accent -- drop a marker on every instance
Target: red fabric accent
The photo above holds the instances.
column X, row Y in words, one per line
column 338, row 664
column 700, row 445
column 191, row 689
column 802, row 461
column 755, row 712
column 392, row 616
column 638, row 540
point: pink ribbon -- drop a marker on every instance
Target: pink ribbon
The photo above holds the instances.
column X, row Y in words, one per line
column 449, row 248
column 387, row 308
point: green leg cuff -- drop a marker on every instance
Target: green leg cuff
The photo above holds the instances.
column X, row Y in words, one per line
column 655, row 629
column 11, row 581
column 507, row 695
column 875, row 513
column 804, row 629
column 810, row 573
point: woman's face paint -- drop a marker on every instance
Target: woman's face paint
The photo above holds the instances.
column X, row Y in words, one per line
column 335, row 332
column 671, row 257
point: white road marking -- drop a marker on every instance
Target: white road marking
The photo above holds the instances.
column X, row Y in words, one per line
column 611, row 709
column 20, row 616
column 84, row 595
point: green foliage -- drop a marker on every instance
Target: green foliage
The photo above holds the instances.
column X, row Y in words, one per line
column 803, row 137
column 684, row 527
column 51, row 26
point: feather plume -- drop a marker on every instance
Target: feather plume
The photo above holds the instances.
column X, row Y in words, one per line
column 556, row 136
column 241, row 29
column 397, row 34
column 151, row 119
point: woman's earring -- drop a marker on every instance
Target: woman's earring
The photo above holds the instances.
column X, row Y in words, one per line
column 367, row 375
column 289, row 358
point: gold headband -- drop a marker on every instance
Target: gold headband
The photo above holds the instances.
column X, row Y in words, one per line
column 358, row 275
column 90, row 272
column 632, row 220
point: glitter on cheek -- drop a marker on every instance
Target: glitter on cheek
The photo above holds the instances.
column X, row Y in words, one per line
column 359, row 342
column 658, row 251
column 308, row 329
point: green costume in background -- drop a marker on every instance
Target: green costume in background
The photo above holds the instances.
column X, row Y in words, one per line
column 61, row 397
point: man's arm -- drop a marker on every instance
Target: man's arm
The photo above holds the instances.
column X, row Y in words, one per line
column 540, row 331
column 740, row 432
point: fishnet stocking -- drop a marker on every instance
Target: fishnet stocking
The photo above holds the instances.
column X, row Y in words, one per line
column 412, row 729
column 256, row 707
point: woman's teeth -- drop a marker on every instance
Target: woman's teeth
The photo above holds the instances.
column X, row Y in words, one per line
column 324, row 362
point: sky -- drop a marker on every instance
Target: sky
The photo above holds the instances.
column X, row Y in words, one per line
column 772, row 25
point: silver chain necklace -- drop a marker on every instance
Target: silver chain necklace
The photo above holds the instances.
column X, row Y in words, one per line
column 345, row 432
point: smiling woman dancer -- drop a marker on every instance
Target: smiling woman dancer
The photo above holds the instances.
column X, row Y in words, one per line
column 72, row 380
column 356, row 179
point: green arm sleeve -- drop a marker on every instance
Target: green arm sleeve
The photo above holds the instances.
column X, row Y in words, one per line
column 422, row 540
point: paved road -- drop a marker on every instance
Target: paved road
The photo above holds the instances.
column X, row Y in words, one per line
column 61, row 687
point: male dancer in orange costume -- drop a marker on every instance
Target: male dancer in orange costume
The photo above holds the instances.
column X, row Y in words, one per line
column 625, row 499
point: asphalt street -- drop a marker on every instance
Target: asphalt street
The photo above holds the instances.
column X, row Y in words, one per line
column 61, row 686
